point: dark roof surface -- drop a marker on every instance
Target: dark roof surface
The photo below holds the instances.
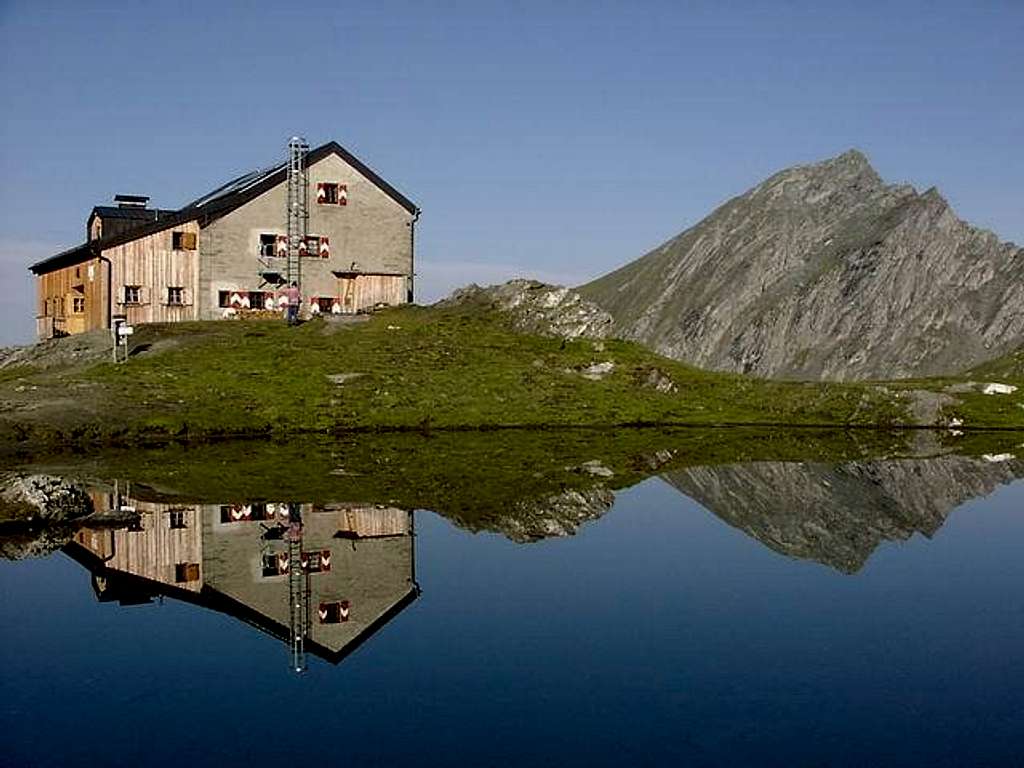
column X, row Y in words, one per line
column 220, row 202
column 66, row 258
column 135, row 214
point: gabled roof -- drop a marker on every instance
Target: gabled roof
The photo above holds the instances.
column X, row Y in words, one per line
column 220, row 202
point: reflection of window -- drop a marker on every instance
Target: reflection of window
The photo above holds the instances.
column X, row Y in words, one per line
column 133, row 294
column 178, row 518
column 272, row 565
column 333, row 613
column 236, row 513
column 176, row 295
column 184, row 572
column 316, row 562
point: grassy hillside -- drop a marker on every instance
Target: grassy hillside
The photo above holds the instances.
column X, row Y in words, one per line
column 408, row 368
column 1009, row 367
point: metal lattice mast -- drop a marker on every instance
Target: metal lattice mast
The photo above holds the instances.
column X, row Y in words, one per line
column 298, row 207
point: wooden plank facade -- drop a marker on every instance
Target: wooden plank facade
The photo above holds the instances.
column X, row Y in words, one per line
column 368, row 522
column 361, row 293
column 72, row 299
column 166, row 548
column 154, row 282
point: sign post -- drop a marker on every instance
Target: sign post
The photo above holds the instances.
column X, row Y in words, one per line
column 121, row 331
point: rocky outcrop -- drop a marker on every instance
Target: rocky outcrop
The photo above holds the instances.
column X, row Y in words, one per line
column 825, row 272
column 838, row 514
column 534, row 307
column 81, row 348
column 41, row 499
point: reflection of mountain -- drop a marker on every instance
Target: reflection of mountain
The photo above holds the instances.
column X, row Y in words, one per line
column 560, row 514
column 357, row 565
column 837, row 514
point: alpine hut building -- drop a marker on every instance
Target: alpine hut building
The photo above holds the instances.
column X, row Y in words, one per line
column 209, row 259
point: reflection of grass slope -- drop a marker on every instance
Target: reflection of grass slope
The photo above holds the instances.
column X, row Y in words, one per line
column 477, row 479
column 422, row 367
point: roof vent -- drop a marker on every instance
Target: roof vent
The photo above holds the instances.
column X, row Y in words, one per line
column 131, row 201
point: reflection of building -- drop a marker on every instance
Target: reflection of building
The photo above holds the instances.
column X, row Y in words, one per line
column 357, row 565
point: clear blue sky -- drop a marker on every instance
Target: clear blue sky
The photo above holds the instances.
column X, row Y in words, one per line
column 549, row 139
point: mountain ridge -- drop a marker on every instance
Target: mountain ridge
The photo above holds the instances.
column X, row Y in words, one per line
column 824, row 271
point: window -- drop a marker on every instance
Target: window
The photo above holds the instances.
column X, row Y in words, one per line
column 257, row 300
column 313, row 245
column 184, row 572
column 176, row 296
column 78, row 304
column 224, row 298
column 183, row 241
column 329, row 194
column 46, row 307
column 268, row 245
column 133, row 294
column 177, row 519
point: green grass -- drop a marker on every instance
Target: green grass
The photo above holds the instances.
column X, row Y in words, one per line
column 1008, row 367
column 424, row 369
column 444, row 369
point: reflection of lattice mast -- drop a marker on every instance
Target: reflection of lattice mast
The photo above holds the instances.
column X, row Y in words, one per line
column 298, row 210
column 298, row 590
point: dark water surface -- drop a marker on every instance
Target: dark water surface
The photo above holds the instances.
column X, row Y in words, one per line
column 793, row 635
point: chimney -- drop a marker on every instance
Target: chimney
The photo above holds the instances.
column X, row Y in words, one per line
column 131, row 201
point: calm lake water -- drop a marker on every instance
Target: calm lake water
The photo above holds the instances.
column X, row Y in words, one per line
column 803, row 617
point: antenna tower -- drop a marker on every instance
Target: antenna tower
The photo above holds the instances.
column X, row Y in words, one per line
column 298, row 207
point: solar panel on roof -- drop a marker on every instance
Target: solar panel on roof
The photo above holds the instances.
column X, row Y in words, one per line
column 240, row 184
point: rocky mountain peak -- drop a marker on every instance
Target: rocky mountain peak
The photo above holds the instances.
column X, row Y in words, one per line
column 824, row 271
column 852, row 165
